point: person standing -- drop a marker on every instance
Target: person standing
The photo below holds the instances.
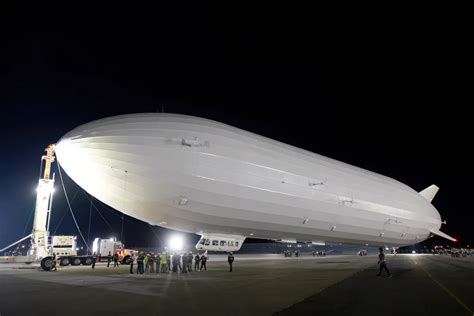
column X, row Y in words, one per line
column 382, row 263
column 109, row 258
column 184, row 258
column 94, row 259
column 190, row 261
column 145, row 262
column 151, row 262
column 54, row 263
column 168, row 262
column 203, row 262
column 175, row 262
column 140, row 263
column 158, row 262
column 178, row 256
column 164, row 263
column 116, row 257
column 133, row 259
column 230, row 259
column 197, row 259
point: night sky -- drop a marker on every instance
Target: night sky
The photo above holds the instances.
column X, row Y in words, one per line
column 388, row 94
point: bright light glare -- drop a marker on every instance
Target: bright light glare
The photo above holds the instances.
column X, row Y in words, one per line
column 413, row 251
column 176, row 242
column 95, row 245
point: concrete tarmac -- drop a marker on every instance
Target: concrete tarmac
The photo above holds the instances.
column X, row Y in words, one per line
column 259, row 285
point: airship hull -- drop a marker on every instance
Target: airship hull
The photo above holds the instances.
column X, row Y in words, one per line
column 201, row 176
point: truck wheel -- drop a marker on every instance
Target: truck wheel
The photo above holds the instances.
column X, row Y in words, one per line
column 64, row 261
column 87, row 261
column 47, row 263
column 76, row 261
column 127, row 260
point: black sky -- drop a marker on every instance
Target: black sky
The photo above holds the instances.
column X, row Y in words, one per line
column 386, row 92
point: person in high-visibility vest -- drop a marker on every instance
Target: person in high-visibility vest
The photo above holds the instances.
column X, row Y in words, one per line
column 164, row 263
column 145, row 263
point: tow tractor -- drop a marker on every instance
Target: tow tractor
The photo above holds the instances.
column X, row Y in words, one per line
column 103, row 247
column 42, row 244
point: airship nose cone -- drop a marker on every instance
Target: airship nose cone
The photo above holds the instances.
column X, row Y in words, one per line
column 111, row 161
column 73, row 159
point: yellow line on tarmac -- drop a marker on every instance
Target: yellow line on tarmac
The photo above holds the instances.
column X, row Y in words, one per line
column 444, row 288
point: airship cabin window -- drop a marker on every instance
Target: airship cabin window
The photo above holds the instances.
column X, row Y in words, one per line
column 207, row 242
column 223, row 243
column 231, row 243
column 202, row 241
column 236, row 243
column 215, row 242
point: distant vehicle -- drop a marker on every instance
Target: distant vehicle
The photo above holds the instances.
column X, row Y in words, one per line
column 102, row 247
column 362, row 252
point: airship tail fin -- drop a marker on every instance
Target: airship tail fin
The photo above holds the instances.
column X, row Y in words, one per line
column 430, row 192
column 441, row 234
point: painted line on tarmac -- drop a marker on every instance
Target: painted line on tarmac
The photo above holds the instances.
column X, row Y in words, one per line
column 445, row 289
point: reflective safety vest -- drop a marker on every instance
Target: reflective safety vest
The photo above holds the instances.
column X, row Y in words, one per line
column 163, row 259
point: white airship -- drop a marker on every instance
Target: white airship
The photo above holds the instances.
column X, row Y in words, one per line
column 225, row 184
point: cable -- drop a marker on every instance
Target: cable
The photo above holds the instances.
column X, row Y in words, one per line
column 65, row 213
column 89, row 229
column 41, row 168
column 156, row 235
column 111, row 210
column 34, row 207
column 121, row 232
column 70, row 208
column 102, row 216
column 28, row 221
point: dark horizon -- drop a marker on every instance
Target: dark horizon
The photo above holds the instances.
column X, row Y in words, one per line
column 390, row 99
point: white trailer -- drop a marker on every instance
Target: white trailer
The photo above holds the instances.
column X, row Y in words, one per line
column 65, row 248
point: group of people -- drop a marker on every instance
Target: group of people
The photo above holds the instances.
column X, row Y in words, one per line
column 454, row 252
column 166, row 262
column 162, row 262
column 114, row 257
column 289, row 253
